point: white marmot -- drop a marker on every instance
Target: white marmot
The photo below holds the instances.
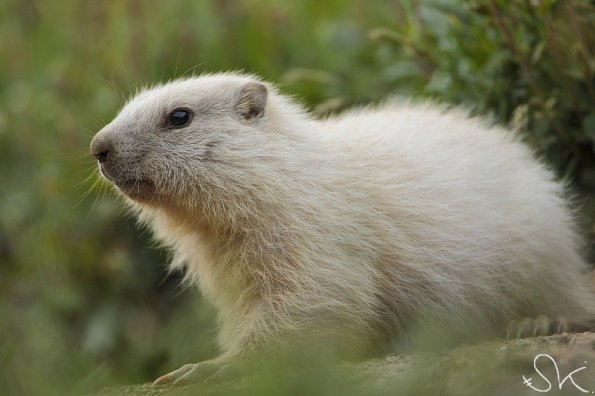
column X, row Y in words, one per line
column 354, row 228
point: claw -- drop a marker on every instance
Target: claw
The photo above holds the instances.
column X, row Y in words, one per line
column 542, row 326
column 199, row 372
column 561, row 325
column 174, row 375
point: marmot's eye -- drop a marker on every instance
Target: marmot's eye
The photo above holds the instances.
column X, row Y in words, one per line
column 179, row 117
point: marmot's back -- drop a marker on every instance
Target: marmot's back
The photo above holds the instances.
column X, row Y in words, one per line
column 471, row 202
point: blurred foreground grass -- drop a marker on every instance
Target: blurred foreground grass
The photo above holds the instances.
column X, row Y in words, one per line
column 85, row 300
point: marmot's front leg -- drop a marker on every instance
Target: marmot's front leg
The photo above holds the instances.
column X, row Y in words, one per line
column 259, row 330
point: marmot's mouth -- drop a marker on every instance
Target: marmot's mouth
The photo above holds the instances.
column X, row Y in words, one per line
column 137, row 189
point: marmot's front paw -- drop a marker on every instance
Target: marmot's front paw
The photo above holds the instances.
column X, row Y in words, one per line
column 191, row 373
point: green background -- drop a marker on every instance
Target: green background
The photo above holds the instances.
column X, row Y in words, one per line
column 85, row 298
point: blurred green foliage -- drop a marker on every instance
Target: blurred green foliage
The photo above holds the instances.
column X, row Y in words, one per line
column 85, row 299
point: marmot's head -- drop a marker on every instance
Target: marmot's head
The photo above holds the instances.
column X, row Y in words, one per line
column 190, row 139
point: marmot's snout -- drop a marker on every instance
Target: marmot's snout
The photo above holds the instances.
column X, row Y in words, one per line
column 121, row 170
column 101, row 147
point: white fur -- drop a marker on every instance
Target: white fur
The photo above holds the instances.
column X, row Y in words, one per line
column 358, row 225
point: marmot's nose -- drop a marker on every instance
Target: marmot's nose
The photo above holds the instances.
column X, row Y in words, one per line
column 100, row 147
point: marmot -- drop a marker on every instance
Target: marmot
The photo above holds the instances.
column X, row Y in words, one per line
column 354, row 227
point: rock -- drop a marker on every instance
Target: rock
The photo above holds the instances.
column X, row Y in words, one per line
column 492, row 368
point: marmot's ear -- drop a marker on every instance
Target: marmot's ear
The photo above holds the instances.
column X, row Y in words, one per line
column 251, row 101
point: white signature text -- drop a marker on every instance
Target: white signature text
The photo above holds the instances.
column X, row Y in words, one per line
column 546, row 359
